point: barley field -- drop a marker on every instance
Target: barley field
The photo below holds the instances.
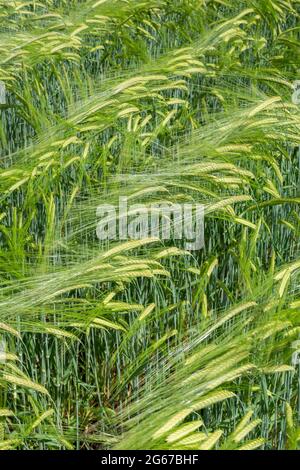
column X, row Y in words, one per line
column 141, row 342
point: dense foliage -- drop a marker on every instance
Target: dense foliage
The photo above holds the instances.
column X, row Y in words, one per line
column 140, row 344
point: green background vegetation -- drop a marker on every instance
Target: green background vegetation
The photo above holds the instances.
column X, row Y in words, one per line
column 139, row 344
